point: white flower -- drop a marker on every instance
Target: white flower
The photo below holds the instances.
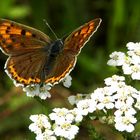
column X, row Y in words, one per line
column 125, row 110
column 127, row 69
column 40, row 123
column 135, row 47
column 66, row 130
column 37, row 90
column 44, row 93
column 59, row 115
column 127, row 60
column 75, row 99
column 135, row 72
column 117, row 59
column 86, row 106
column 125, row 95
column 47, row 135
column 101, row 92
column 76, row 114
column 103, row 97
column 105, row 102
column 137, row 105
column 114, row 80
column 31, row 90
column 67, row 81
column 125, row 123
column 135, row 59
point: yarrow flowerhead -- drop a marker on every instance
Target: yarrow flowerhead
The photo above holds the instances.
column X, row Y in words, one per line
column 103, row 98
column 66, row 130
column 121, row 97
column 74, row 99
column 37, row 90
column 39, row 122
column 67, row 81
column 41, row 127
column 64, row 122
column 130, row 62
column 86, row 106
column 117, row 59
column 125, row 123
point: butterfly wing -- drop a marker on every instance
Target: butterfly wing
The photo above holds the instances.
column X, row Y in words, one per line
column 16, row 38
column 27, row 68
column 25, row 47
column 77, row 39
column 63, row 66
column 72, row 46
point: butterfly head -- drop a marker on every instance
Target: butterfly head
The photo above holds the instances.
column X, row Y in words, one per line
column 57, row 47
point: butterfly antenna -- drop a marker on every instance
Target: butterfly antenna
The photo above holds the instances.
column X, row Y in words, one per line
column 50, row 28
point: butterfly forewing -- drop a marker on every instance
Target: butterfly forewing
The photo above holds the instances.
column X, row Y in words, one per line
column 77, row 39
column 15, row 37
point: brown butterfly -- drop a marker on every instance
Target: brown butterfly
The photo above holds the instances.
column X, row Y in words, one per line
column 34, row 58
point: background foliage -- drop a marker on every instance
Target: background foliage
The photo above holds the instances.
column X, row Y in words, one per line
column 121, row 24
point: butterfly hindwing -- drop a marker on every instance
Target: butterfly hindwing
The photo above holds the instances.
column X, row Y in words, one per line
column 27, row 68
column 63, row 66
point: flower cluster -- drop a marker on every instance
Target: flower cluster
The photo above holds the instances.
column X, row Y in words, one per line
column 63, row 121
column 41, row 127
column 124, row 97
column 116, row 95
column 42, row 91
column 129, row 62
column 37, row 90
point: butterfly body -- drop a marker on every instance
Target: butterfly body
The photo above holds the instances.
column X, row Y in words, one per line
column 55, row 49
column 34, row 58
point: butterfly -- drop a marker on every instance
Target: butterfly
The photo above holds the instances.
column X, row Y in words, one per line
column 34, row 58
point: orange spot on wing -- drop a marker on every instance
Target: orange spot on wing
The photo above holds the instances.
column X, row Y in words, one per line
column 9, row 41
column 81, row 41
column 91, row 24
column 3, row 27
column 89, row 31
column 28, row 34
column 2, row 31
column 84, row 30
column 76, row 34
column 5, row 36
column 85, row 35
column 91, row 27
column 15, row 31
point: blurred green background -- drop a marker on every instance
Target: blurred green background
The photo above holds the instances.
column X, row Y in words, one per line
column 120, row 24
